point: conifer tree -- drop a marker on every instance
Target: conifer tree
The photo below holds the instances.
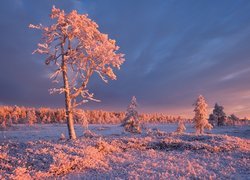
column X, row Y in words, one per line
column 219, row 114
column 200, row 118
column 213, row 119
column 131, row 122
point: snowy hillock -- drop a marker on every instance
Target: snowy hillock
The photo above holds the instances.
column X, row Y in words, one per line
column 152, row 154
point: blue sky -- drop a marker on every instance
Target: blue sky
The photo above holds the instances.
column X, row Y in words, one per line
column 175, row 50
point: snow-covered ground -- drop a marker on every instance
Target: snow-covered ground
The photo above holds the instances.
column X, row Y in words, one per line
column 109, row 153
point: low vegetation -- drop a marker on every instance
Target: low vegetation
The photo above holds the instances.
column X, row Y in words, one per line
column 156, row 154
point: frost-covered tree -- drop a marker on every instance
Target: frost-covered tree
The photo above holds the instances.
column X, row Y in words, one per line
column 233, row 119
column 131, row 121
column 3, row 124
column 78, row 49
column 200, row 118
column 219, row 115
column 15, row 115
column 31, row 117
column 82, row 118
column 181, row 127
column 213, row 120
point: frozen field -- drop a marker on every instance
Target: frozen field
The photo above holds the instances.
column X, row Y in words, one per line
column 109, row 153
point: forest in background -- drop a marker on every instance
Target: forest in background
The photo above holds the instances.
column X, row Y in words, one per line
column 26, row 115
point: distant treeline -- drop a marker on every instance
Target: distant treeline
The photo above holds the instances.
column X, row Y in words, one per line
column 22, row 115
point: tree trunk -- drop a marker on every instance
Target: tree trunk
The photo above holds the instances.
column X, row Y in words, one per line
column 68, row 105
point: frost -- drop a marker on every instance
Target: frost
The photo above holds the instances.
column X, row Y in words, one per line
column 200, row 118
column 181, row 127
column 78, row 49
column 159, row 153
column 131, row 122
column 62, row 137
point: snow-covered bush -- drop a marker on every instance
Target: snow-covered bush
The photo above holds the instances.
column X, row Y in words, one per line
column 200, row 118
column 131, row 122
column 62, row 137
column 181, row 127
column 89, row 134
column 106, row 147
column 21, row 173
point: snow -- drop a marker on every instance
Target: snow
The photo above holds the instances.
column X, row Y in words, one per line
column 131, row 122
column 200, row 117
column 108, row 152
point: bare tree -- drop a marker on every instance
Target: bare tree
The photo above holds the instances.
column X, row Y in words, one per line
column 78, row 49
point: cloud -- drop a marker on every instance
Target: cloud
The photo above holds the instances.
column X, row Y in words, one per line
column 235, row 74
column 175, row 50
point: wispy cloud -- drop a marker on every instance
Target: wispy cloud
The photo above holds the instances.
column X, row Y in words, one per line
column 175, row 50
column 235, row 75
